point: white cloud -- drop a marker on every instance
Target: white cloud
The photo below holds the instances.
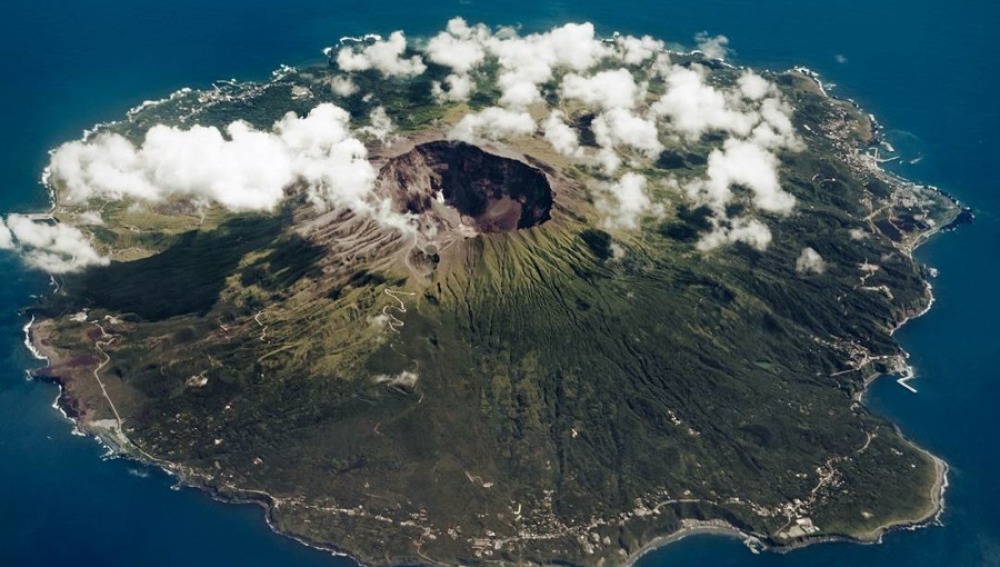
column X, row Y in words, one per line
column 333, row 163
column 695, row 108
column 459, row 88
column 460, row 47
column 625, row 202
column 525, row 61
column 343, row 86
column 53, row 247
column 753, row 86
column 621, row 127
column 493, row 123
column 380, row 125
column 6, row 238
column 604, row 90
column 754, row 109
column 776, row 130
column 635, row 50
column 562, row 136
column 523, row 69
column 744, row 163
column 729, row 231
column 571, row 46
column 385, row 56
column 810, row 261
column 248, row 171
column 92, row 218
column 757, row 120
column 528, row 61
column 714, row 47
column 609, row 160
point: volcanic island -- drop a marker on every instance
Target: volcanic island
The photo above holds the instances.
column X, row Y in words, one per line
column 496, row 298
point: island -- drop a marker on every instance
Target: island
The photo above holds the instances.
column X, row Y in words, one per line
column 497, row 298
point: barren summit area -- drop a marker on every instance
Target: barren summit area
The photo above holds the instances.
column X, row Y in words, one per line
column 428, row 307
column 492, row 193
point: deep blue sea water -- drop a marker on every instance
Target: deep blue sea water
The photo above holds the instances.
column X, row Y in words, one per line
column 928, row 69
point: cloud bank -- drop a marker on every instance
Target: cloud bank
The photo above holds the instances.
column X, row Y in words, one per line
column 544, row 81
column 243, row 169
column 610, row 79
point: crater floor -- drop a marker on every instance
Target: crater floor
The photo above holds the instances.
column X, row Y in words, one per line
column 491, row 193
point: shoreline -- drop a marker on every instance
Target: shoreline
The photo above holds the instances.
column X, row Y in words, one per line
column 183, row 477
column 696, row 527
column 755, row 544
column 937, row 508
column 268, row 503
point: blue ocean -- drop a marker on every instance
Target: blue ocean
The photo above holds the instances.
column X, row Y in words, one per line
column 928, row 69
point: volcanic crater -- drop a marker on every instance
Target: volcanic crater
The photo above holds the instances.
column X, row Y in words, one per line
column 491, row 193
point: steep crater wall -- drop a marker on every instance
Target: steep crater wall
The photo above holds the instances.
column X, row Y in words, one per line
column 491, row 192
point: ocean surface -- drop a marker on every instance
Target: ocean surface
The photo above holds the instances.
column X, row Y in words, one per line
column 928, row 69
